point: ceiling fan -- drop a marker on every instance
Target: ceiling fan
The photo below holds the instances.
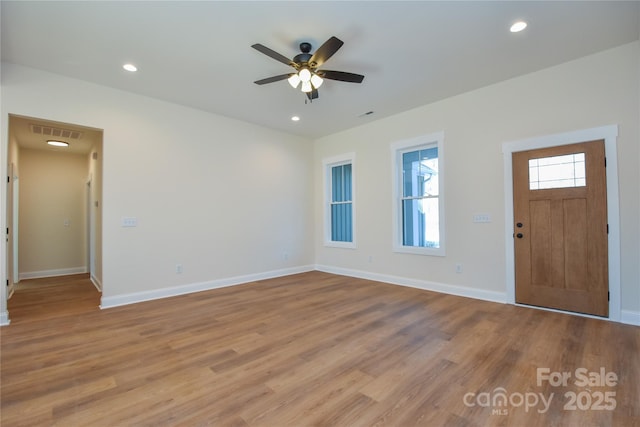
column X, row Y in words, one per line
column 306, row 67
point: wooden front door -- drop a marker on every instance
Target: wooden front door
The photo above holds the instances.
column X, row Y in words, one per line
column 560, row 214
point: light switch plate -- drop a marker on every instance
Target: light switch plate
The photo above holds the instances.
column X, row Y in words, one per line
column 129, row 221
column 482, row 217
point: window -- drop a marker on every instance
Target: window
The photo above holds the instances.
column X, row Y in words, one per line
column 339, row 201
column 417, row 195
column 557, row 172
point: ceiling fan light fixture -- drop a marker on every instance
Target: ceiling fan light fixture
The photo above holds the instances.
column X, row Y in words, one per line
column 294, row 80
column 306, row 86
column 316, row 81
column 305, row 75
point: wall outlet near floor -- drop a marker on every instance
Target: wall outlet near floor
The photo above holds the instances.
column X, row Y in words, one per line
column 178, row 268
column 285, row 256
column 458, row 268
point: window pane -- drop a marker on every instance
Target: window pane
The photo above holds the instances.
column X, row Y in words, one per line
column 341, row 183
column 557, row 172
column 420, row 172
column 336, row 184
column 341, row 222
column 346, row 174
column 409, row 162
column 420, row 223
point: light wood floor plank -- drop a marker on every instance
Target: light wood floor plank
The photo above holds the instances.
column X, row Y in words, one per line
column 311, row 349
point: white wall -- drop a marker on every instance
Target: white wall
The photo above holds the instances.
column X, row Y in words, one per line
column 221, row 197
column 226, row 199
column 52, row 212
column 598, row 90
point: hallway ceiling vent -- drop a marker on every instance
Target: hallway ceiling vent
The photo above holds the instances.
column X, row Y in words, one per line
column 57, row 132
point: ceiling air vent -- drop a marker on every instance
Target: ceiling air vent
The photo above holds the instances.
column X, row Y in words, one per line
column 57, row 132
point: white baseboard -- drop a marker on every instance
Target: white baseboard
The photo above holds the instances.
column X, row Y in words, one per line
column 463, row 291
column 52, row 273
column 118, row 300
column 630, row 317
column 96, row 283
column 627, row 316
column 4, row 318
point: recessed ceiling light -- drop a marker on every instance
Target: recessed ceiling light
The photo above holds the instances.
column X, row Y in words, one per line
column 130, row 67
column 518, row 26
column 57, row 143
column 295, row 118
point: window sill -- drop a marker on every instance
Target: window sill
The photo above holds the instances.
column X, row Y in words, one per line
column 416, row 250
column 344, row 245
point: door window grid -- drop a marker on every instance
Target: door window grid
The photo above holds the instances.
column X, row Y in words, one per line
column 557, row 172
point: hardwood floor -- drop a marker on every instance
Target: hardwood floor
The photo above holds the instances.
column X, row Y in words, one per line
column 303, row 350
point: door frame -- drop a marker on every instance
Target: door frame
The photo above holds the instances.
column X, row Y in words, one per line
column 15, row 224
column 91, row 232
column 607, row 133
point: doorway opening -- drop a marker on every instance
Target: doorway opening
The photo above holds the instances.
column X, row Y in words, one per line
column 54, row 193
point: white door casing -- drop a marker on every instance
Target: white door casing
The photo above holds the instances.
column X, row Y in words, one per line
column 609, row 134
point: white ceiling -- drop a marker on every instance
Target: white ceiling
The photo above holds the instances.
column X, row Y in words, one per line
column 412, row 53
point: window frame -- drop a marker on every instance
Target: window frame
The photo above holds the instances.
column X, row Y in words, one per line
column 398, row 148
column 327, row 165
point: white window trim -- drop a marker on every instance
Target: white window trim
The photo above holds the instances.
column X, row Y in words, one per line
column 397, row 148
column 327, row 164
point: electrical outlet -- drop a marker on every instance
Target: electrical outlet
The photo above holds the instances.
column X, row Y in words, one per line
column 458, row 268
column 178, row 268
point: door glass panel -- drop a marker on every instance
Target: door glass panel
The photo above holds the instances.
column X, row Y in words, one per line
column 557, row 172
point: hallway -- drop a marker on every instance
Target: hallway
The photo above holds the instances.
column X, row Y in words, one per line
column 53, row 297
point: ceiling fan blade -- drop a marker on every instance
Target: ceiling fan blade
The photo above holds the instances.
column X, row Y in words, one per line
column 341, row 76
column 272, row 54
column 273, row 79
column 325, row 52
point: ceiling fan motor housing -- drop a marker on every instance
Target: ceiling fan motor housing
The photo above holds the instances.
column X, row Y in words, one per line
column 302, row 59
